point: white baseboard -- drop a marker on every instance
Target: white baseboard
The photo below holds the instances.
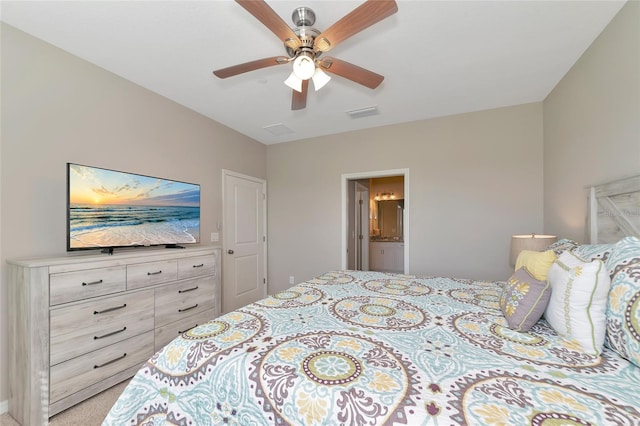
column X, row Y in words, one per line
column 4, row 407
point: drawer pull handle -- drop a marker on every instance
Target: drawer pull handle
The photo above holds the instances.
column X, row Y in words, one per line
column 198, row 266
column 189, row 289
column 93, row 283
column 154, row 273
column 109, row 334
column 180, row 332
column 109, row 309
column 189, row 308
column 110, row 362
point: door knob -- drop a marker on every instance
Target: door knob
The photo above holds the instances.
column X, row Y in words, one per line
column 230, row 251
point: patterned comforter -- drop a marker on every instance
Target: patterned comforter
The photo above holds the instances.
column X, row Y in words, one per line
column 369, row 348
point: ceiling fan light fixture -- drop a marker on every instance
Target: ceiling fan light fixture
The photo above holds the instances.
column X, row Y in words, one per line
column 320, row 79
column 304, row 66
column 294, row 82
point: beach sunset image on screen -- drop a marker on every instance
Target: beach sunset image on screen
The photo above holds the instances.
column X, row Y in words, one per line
column 108, row 208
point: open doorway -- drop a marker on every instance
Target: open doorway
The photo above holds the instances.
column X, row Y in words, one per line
column 375, row 222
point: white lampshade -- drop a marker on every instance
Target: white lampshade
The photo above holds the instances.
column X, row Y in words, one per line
column 533, row 242
column 303, row 66
column 320, row 78
column 294, row 82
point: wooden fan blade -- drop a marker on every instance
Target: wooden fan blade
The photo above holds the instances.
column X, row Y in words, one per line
column 250, row 66
column 299, row 99
column 352, row 72
column 362, row 17
column 270, row 19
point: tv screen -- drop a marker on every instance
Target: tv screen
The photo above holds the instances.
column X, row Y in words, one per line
column 109, row 208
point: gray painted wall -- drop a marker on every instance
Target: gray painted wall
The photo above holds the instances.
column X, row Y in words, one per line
column 592, row 124
column 475, row 179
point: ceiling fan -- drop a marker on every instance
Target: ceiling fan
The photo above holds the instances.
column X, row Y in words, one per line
column 305, row 45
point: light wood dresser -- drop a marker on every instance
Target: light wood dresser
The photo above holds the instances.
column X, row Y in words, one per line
column 80, row 324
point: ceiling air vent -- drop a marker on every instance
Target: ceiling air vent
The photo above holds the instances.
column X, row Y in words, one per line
column 278, row 129
column 363, row 112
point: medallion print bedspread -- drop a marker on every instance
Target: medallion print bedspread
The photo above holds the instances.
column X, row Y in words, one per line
column 369, row 348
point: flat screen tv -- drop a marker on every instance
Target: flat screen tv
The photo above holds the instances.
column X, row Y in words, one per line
column 107, row 209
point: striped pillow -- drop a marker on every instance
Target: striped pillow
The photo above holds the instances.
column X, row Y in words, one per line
column 578, row 302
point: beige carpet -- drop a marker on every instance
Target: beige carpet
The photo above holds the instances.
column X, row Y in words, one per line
column 88, row 413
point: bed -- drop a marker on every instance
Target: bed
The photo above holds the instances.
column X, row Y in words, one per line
column 372, row 348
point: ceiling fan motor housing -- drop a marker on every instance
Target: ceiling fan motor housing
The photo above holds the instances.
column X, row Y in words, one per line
column 303, row 18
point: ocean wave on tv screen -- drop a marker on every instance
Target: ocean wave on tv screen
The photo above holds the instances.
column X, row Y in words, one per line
column 108, row 226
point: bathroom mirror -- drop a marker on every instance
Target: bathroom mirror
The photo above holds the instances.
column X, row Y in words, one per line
column 390, row 219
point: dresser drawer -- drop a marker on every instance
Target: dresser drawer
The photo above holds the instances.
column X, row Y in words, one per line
column 197, row 266
column 86, row 327
column 183, row 299
column 70, row 286
column 145, row 274
column 76, row 374
column 168, row 332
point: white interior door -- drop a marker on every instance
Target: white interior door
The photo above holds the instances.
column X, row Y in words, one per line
column 244, row 240
column 362, row 219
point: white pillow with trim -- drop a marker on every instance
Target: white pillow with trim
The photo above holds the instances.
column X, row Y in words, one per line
column 578, row 301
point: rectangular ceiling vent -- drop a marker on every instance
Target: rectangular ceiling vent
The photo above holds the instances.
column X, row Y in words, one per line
column 278, row 129
column 363, row 112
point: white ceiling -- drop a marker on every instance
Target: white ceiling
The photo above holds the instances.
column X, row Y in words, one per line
column 438, row 57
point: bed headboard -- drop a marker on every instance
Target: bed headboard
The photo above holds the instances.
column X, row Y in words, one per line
column 614, row 210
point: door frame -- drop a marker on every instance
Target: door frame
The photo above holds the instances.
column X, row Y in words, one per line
column 265, row 245
column 346, row 177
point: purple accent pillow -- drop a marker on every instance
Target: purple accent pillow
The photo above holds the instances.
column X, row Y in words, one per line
column 524, row 300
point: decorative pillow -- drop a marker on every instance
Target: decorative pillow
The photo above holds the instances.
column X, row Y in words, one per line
column 536, row 262
column 624, row 253
column 623, row 307
column 524, row 300
column 589, row 252
column 562, row 245
column 576, row 309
